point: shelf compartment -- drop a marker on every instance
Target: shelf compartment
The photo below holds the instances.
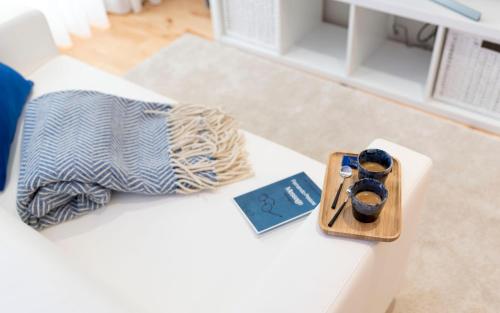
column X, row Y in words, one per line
column 253, row 22
column 384, row 63
column 320, row 50
column 395, row 68
column 315, row 35
column 469, row 74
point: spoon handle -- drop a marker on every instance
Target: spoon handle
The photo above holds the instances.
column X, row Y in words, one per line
column 334, row 204
column 334, row 218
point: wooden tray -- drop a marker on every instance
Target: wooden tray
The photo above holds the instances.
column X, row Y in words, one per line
column 388, row 225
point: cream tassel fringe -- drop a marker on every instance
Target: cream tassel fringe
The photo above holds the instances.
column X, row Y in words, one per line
column 198, row 131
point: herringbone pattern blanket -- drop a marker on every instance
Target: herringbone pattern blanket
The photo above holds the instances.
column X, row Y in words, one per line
column 79, row 146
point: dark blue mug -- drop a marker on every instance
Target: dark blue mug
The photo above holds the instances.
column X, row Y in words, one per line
column 364, row 210
column 374, row 163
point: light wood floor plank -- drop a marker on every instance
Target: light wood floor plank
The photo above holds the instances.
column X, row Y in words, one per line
column 132, row 38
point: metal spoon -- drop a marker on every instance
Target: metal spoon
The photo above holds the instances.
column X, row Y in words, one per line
column 334, row 218
column 345, row 172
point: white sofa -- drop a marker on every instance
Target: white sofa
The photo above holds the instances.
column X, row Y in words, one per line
column 186, row 253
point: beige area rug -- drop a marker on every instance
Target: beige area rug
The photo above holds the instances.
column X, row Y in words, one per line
column 455, row 264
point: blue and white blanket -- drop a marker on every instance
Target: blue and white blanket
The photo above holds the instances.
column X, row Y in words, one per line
column 79, row 146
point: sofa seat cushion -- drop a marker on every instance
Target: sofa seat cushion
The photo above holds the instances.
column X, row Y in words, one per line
column 172, row 253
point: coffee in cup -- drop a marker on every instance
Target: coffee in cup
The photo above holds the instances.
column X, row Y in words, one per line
column 368, row 197
column 375, row 164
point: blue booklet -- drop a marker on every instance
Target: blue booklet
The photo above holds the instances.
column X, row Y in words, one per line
column 278, row 203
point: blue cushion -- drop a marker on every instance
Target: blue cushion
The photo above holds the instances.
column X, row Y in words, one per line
column 14, row 91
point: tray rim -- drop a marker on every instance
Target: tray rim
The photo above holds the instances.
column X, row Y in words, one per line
column 330, row 232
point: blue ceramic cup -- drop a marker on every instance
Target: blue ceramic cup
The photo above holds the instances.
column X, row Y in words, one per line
column 363, row 210
column 374, row 163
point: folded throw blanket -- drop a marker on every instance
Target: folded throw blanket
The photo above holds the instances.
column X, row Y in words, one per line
column 78, row 146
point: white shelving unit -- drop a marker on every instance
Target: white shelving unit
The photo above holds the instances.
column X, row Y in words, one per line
column 350, row 41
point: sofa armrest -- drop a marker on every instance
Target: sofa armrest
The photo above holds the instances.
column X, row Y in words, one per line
column 25, row 39
column 326, row 274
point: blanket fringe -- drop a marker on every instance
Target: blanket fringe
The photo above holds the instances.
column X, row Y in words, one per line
column 205, row 140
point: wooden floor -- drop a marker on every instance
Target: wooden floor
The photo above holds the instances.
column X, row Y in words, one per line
column 132, row 38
